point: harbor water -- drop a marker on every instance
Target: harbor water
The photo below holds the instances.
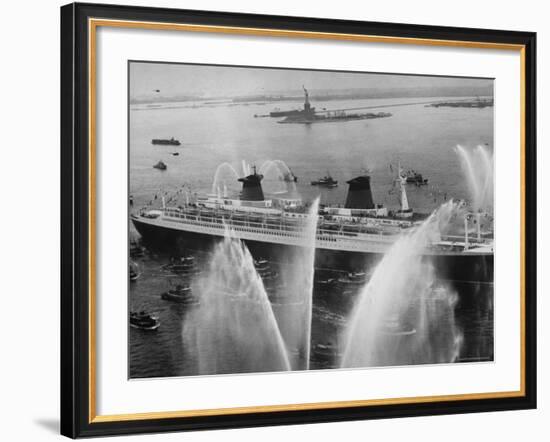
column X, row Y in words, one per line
column 419, row 138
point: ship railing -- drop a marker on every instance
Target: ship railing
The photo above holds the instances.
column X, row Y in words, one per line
column 471, row 240
column 271, row 227
column 272, row 224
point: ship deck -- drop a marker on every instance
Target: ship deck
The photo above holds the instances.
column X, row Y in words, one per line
column 276, row 230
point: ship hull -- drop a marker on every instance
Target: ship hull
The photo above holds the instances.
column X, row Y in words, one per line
column 459, row 268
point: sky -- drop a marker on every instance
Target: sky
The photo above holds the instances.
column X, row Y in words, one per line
column 212, row 81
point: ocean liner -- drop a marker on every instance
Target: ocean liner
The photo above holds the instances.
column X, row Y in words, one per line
column 350, row 238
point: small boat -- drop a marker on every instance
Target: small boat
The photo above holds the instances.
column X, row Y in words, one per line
column 261, row 264
column 327, row 349
column 133, row 274
column 355, row 278
column 160, row 165
column 413, row 177
column 143, row 321
column 175, row 154
column 325, row 283
column 180, row 293
column 289, row 177
column 166, row 142
column 133, row 271
column 183, row 264
column 326, row 181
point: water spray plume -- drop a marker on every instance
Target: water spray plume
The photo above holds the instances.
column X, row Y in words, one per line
column 273, row 177
column 470, row 173
column 234, row 328
column 223, row 170
column 296, row 293
column 487, row 162
column 478, row 168
column 402, row 315
column 279, row 173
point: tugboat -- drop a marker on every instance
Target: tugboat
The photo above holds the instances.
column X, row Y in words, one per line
column 289, row 177
column 353, row 279
column 413, row 177
column 180, row 293
column 144, row 321
column 160, row 166
column 182, row 265
column 166, row 142
column 326, row 181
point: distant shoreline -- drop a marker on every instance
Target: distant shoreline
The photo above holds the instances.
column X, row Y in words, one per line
column 355, row 94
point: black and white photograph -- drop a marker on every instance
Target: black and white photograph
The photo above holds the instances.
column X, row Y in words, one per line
column 286, row 219
column 275, row 221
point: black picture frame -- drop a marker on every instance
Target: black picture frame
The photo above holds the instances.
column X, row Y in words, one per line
column 76, row 418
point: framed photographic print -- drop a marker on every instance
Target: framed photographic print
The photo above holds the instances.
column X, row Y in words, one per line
column 274, row 220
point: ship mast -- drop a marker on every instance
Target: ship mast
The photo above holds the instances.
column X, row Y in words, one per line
column 402, row 187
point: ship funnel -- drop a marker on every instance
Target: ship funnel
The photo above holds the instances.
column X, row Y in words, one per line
column 252, row 187
column 359, row 193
